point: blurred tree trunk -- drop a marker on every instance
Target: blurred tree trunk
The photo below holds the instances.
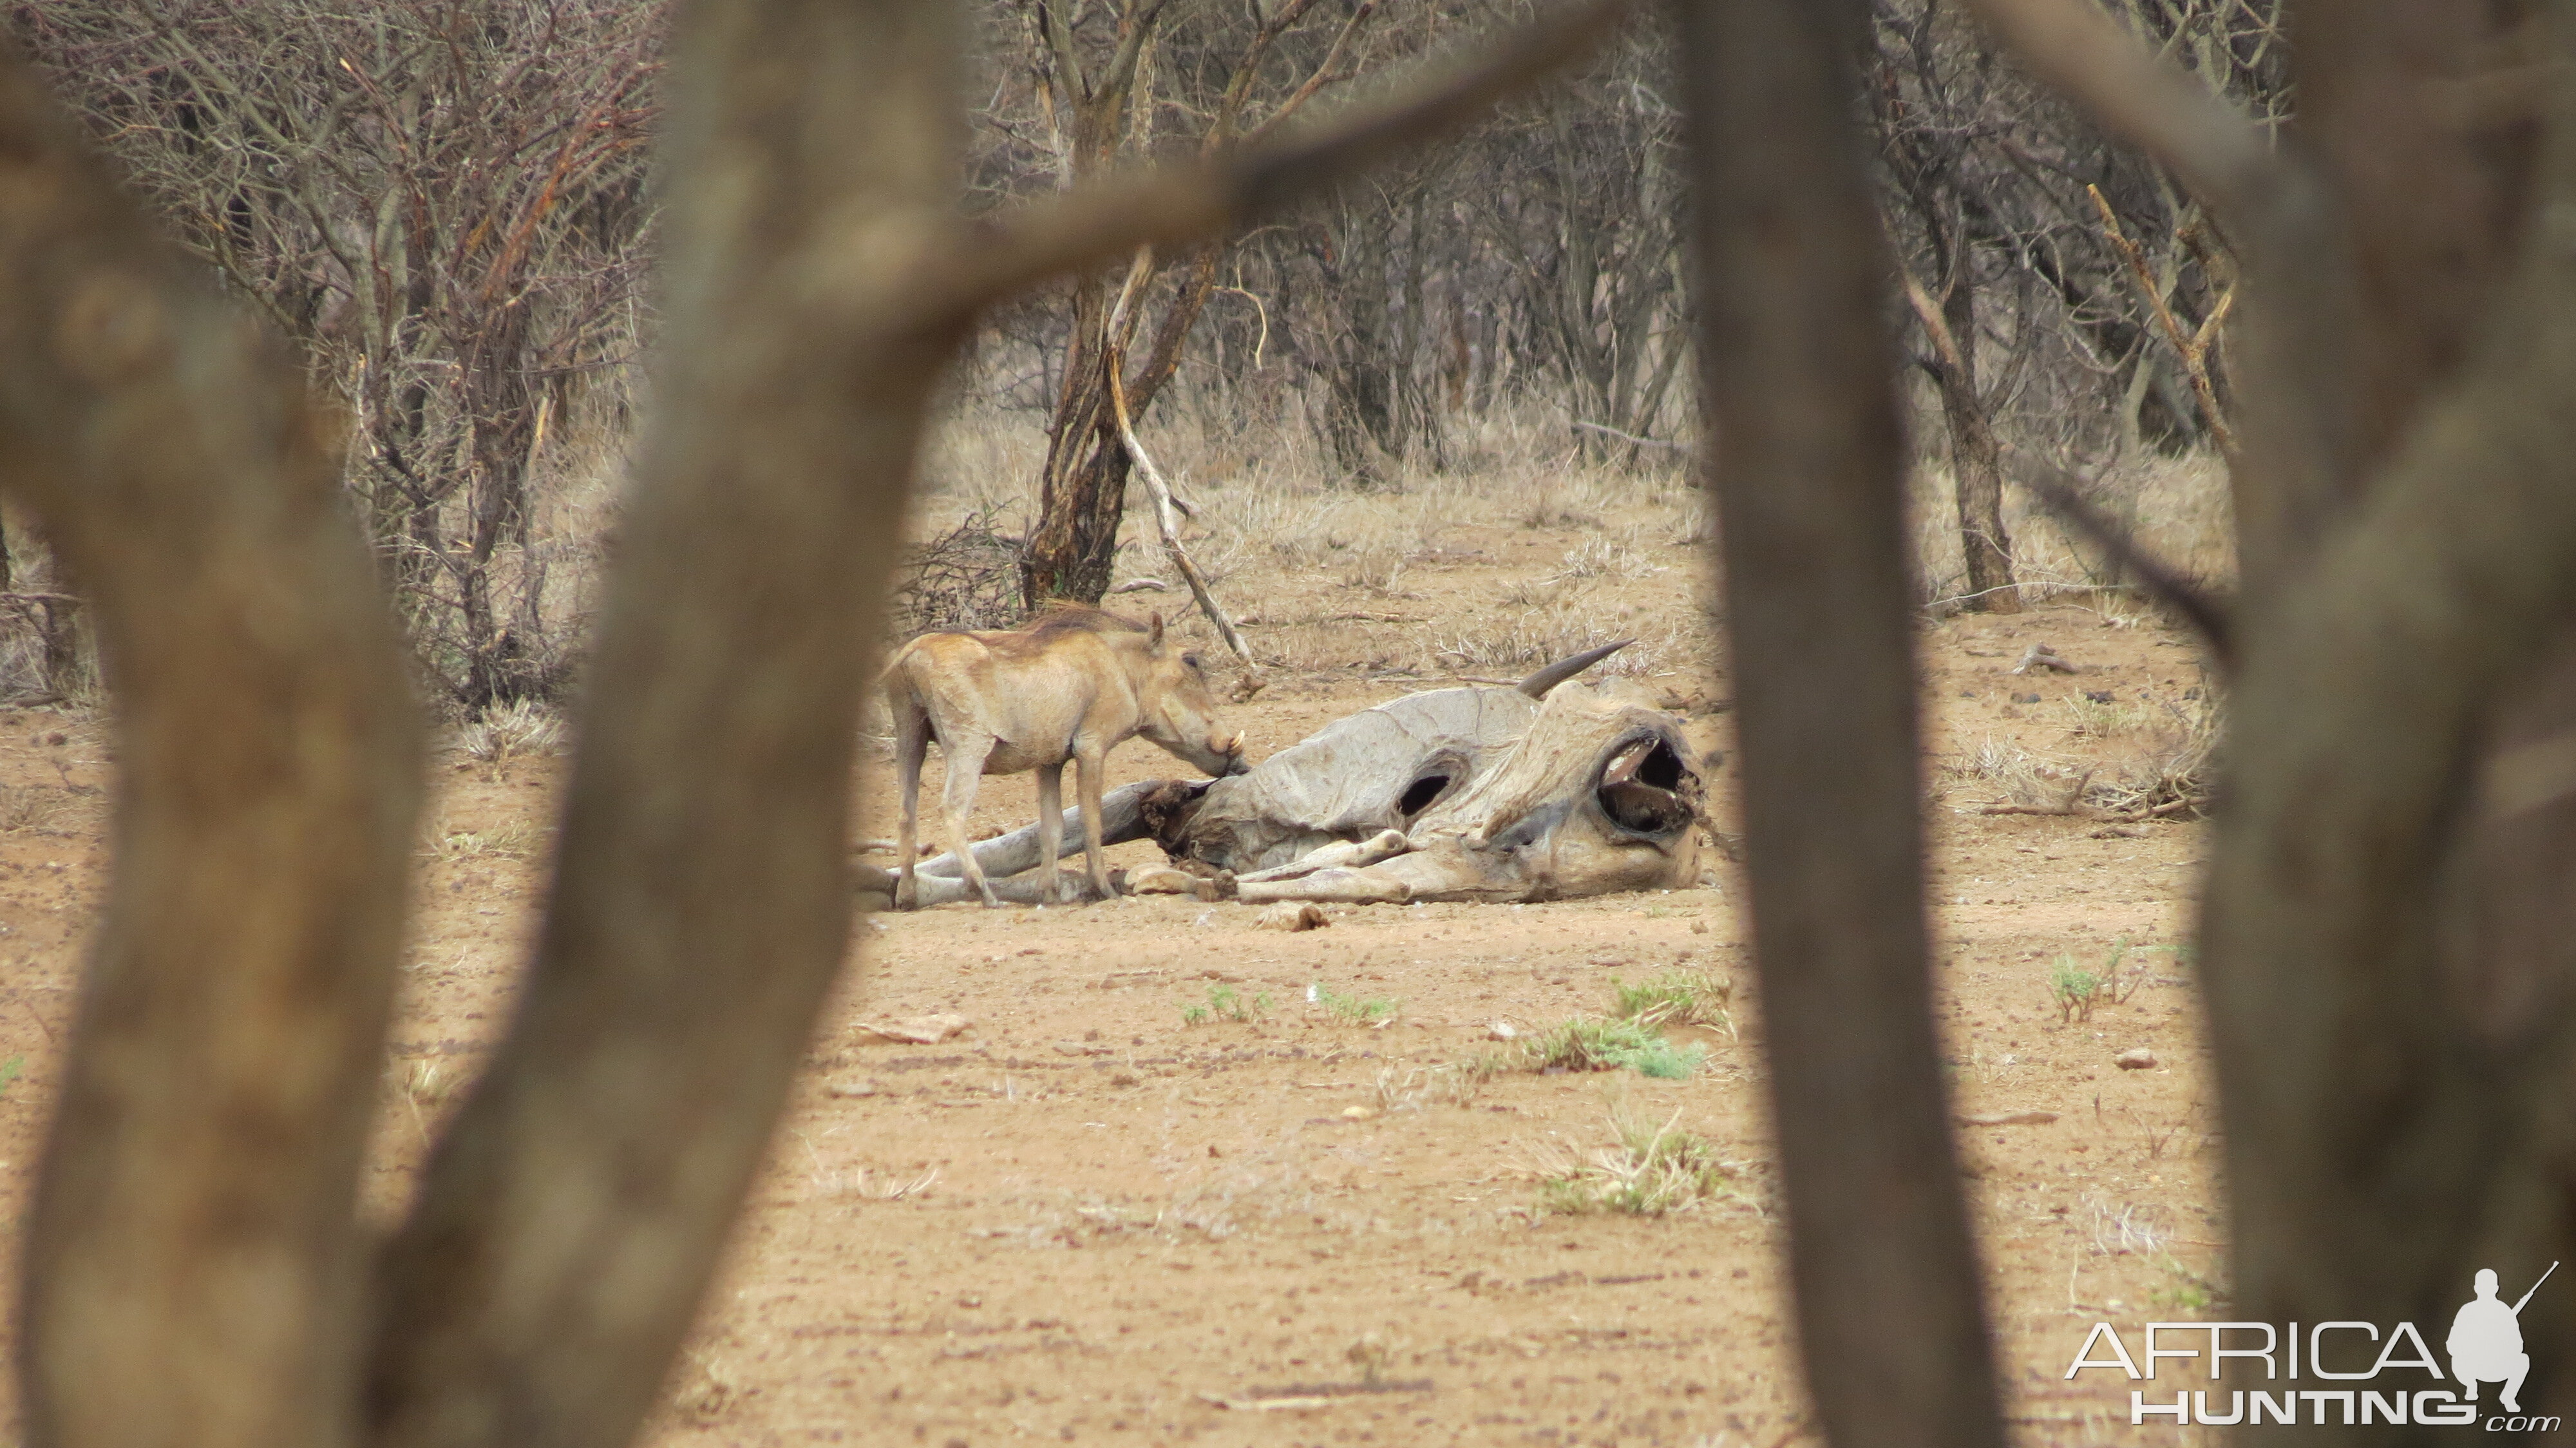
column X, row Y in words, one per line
column 193, row 1264
column 2389, row 931
column 2391, row 945
column 1814, row 551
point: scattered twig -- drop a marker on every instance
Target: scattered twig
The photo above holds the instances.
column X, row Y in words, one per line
column 1140, row 585
column 2041, row 656
column 1632, row 437
column 2008, row 1118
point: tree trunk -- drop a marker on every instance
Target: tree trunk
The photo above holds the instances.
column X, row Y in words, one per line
column 1072, row 552
column 1976, row 463
column 1809, row 484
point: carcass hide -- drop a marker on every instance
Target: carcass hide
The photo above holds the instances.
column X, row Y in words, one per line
column 1495, row 793
column 1597, row 794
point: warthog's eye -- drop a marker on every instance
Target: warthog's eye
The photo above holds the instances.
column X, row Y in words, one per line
column 1190, row 659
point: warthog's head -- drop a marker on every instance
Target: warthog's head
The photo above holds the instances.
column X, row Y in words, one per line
column 1179, row 711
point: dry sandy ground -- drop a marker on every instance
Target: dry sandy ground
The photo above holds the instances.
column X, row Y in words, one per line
column 1085, row 1220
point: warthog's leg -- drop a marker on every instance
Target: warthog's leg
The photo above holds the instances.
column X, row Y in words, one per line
column 911, row 747
column 1050, row 806
column 965, row 759
column 1087, row 769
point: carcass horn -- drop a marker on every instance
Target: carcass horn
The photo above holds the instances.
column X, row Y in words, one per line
column 1537, row 685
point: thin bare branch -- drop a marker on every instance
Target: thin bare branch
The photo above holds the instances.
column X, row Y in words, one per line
column 2301, row 441
column 1167, row 519
column 2192, row 349
column 1326, row 72
column 2063, row 495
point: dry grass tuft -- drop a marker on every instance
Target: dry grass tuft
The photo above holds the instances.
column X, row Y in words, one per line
column 1678, row 998
column 871, row 1186
column 33, row 808
column 1605, row 558
column 1410, row 1088
column 2173, row 777
column 1651, row 1172
column 2177, row 775
column 517, row 840
column 519, row 729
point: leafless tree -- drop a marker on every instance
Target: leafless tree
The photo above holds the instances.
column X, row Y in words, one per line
column 445, row 205
column 1598, row 236
column 1099, row 100
column 2053, row 272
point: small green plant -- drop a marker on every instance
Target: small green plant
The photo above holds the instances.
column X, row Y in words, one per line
column 1585, row 1044
column 1351, row 1010
column 1678, row 998
column 9, row 1070
column 2188, row 1291
column 1225, row 1003
column 1652, row 1171
column 2074, row 988
column 2077, row 987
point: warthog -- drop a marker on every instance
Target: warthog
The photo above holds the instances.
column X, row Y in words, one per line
column 1526, row 792
column 1073, row 685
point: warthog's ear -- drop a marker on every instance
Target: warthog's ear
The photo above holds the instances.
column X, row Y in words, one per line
column 1154, row 629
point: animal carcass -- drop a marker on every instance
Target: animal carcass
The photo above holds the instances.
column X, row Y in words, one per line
column 1510, row 793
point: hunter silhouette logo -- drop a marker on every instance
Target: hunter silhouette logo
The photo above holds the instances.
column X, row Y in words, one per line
column 2486, row 1341
column 2364, row 1373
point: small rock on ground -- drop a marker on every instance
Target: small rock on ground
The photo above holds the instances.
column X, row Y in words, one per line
column 1291, row 915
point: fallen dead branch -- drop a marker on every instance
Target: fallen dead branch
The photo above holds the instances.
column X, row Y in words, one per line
column 1167, row 521
column 2041, row 656
column 2008, row 1118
